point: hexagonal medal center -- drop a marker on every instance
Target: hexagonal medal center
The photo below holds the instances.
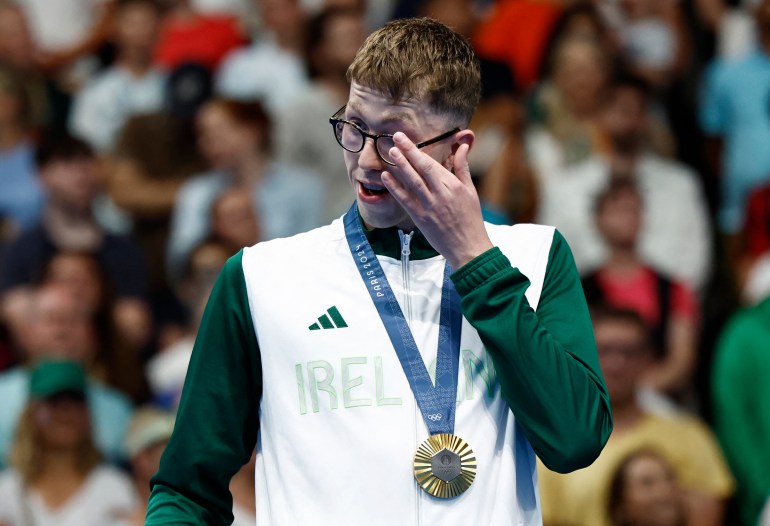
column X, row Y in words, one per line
column 446, row 465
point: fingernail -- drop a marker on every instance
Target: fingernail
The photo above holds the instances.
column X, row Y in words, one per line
column 399, row 137
column 394, row 152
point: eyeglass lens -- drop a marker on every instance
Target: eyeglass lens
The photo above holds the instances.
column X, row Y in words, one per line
column 352, row 140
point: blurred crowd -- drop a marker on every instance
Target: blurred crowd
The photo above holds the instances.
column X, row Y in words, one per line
column 143, row 142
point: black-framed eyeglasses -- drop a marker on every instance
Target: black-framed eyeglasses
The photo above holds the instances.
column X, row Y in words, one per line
column 353, row 139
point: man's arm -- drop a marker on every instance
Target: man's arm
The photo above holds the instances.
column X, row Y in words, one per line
column 216, row 426
column 546, row 360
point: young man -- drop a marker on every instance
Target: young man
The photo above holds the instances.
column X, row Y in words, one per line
column 581, row 498
column 328, row 343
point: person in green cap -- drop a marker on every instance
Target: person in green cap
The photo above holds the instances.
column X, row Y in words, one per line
column 56, row 476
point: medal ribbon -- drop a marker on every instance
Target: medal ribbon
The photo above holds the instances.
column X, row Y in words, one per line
column 437, row 403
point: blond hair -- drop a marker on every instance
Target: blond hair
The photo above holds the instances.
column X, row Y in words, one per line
column 26, row 455
column 423, row 59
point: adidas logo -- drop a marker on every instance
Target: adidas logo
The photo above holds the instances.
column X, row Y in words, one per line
column 334, row 320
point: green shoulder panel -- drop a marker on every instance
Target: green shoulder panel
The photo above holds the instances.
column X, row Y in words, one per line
column 217, row 421
column 546, row 360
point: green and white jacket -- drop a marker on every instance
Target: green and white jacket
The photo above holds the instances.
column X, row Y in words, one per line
column 292, row 356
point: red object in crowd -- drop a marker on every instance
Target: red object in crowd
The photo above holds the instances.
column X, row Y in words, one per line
column 517, row 32
column 756, row 231
column 205, row 40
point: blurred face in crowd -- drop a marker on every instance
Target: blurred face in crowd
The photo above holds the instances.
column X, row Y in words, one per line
column 16, row 45
column 619, row 219
column 223, row 140
column 624, row 119
column 649, row 494
column 233, row 218
column 62, row 421
column 344, row 34
column 457, row 14
column 59, row 326
column 137, row 28
column 72, row 183
column 281, row 15
column 623, row 356
column 580, row 74
column 80, row 275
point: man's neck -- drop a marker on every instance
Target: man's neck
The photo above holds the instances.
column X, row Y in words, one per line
column 72, row 229
column 623, row 260
column 136, row 62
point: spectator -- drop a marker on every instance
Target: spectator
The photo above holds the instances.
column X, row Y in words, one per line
column 235, row 137
column 167, row 369
column 741, row 396
column 303, row 133
column 188, row 36
column 151, row 161
column 21, row 200
column 271, row 69
column 56, row 476
column 68, row 171
column 580, row 498
column 56, row 326
column 233, row 222
column 146, row 439
column 644, row 492
column 675, row 236
column 734, row 114
column 130, row 86
column 566, row 106
column 626, row 281
column 117, row 358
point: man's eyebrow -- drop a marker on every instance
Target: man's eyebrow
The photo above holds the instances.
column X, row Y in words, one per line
column 388, row 116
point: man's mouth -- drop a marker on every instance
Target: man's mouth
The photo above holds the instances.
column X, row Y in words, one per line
column 373, row 189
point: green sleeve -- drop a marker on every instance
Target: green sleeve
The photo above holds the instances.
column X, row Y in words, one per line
column 546, row 361
column 740, row 393
column 216, row 425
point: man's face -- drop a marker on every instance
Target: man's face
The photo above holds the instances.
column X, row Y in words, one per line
column 376, row 113
column 72, row 183
column 623, row 357
column 137, row 27
column 59, row 328
column 624, row 119
column 344, row 34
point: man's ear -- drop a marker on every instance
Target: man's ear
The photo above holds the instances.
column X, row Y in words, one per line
column 465, row 136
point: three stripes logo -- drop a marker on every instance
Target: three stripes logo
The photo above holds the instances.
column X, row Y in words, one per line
column 331, row 320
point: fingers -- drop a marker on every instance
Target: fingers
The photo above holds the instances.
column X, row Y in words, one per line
column 460, row 164
column 418, row 167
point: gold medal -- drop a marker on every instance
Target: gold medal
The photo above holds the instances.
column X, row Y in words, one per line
column 444, row 465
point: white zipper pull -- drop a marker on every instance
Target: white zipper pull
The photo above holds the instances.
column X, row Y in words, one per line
column 406, row 239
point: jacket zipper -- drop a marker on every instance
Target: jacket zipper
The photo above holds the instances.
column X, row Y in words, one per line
column 406, row 239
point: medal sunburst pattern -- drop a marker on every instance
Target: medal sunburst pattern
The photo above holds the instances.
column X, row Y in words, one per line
column 423, row 470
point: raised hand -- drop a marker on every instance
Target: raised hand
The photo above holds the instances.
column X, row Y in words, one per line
column 442, row 204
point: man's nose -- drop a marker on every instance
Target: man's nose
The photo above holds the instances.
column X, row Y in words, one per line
column 368, row 158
